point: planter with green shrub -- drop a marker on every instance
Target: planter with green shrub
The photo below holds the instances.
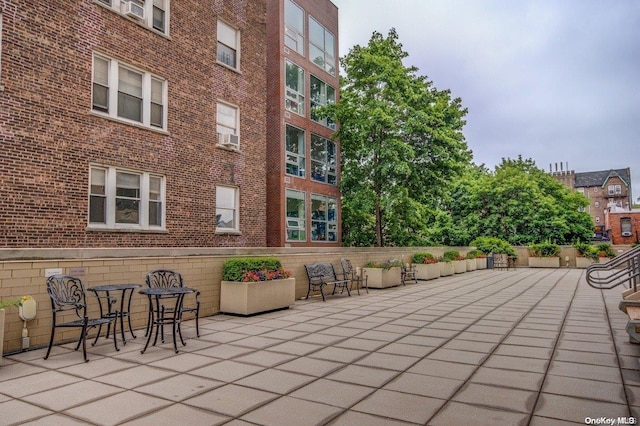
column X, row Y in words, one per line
column 426, row 265
column 544, row 255
column 384, row 274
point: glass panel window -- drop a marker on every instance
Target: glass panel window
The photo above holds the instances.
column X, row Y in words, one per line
column 625, row 226
column 154, row 14
column 226, row 208
column 294, row 88
column 323, row 160
column 323, row 218
column 321, row 47
column 321, row 95
column 294, row 26
column 294, row 140
column 125, row 199
column 158, row 16
column 295, row 219
column 228, row 45
column 122, row 92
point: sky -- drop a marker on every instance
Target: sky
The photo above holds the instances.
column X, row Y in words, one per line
column 554, row 81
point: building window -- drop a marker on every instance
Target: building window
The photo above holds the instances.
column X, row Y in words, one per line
column 321, row 47
column 595, row 189
column 323, row 160
column 324, row 220
column 615, row 189
column 152, row 13
column 228, row 129
column 228, row 45
column 294, row 82
column 597, row 219
column 226, row 208
column 321, row 95
column 295, row 144
column 625, row 226
column 296, row 230
column 294, row 26
column 125, row 199
column 122, row 92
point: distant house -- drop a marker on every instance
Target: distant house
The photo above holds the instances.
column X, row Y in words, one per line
column 622, row 225
column 603, row 189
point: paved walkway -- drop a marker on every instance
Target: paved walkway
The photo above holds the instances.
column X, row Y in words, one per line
column 523, row 347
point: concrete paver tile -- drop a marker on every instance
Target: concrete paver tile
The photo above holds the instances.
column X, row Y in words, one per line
column 361, row 344
column 455, row 413
column 276, row 381
column 39, row 382
column 508, row 378
column 584, row 388
column 388, row 361
column 227, row 371
column 401, row 406
column 361, row 375
column 339, row 354
column 17, row 412
column 337, row 394
column 134, row 377
column 287, row 411
column 231, row 400
column 585, row 371
column 179, row 387
column 265, row 358
column 418, row 384
column 516, row 363
column 524, row 351
column 351, row 418
column 179, row 414
column 576, row 409
column 462, row 357
column 497, row 397
column 446, row 369
column 64, row 397
column 295, row 348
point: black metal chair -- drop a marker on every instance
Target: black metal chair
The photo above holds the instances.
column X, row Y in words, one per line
column 351, row 274
column 408, row 274
column 166, row 278
column 68, row 298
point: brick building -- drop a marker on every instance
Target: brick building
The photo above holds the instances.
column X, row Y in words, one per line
column 602, row 188
column 143, row 123
column 303, row 197
column 622, row 225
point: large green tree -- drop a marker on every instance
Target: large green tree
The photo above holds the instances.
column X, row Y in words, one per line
column 519, row 203
column 401, row 144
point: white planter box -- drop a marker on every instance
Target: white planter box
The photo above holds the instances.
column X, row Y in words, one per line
column 471, row 265
column 544, row 262
column 460, row 266
column 583, row 262
column 1, row 333
column 381, row 278
column 247, row 298
column 446, row 269
column 481, row 263
column 427, row 271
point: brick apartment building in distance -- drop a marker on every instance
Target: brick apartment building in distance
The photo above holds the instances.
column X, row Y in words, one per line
column 303, row 196
column 604, row 189
column 143, row 123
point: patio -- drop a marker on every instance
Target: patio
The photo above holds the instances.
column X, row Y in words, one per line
column 525, row 346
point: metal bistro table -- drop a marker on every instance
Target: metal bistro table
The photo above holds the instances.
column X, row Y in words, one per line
column 159, row 315
column 107, row 289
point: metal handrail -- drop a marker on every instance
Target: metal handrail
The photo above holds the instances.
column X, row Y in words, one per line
column 625, row 269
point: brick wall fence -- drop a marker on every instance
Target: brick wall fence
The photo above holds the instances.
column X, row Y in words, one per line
column 22, row 272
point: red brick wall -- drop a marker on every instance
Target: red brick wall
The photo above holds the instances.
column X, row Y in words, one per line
column 326, row 13
column 615, row 232
column 49, row 136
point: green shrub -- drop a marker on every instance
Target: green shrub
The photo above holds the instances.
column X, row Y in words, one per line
column 492, row 245
column 383, row 265
column 451, row 255
column 423, row 258
column 544, row 250
column 233, row 269
column 605, row 250
column 586, row 250
column 474, row 254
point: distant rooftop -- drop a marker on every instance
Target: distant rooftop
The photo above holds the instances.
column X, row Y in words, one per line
column 599, row 178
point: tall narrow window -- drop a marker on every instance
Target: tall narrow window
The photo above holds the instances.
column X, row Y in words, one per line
column 157, row 108
column 295, row 219
column 155, row 201
column 294, row 26
column 321, row 94
column 226, row 208
column 98, row 196
column 159, row 15
column 228, row 45
column 625, row 226
column 324, row 218
column 321, row 47
column 294, row 140
column 127, row 198
column 101, row 84
column 323, row 160
column 294, row 82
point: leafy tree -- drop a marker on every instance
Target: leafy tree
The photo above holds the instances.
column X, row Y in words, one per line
column 401, row 143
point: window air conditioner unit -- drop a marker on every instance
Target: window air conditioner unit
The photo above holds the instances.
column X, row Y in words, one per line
column 295, row 224
column 228, row 140
column 626, row 234
column 132, row 9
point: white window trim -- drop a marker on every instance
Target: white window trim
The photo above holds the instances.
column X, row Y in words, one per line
column 236, row 211
column 299, row 35
column 147, row 22
column 322, row 49
column 301, row 96
column 238, row 46
column 327, row 122
column 110, row 200
column 300, row 220
column 236, row 130
column 298, row 156
column 146, row 94
column 325, row 161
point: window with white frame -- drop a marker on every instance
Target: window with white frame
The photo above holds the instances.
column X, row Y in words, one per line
column 228, row 45
column 625, row 226
column 323, row 160
column 321, row 47
column 227, row 125
column 294, row 26
column 324, row 218
column 295, row 219
column 294, row 88
column 597, row 204
column 597, row 219
column 295, row 149
column 152, row 13
column 227, row 201
column 321, row 94
column 125, row 199
column 123, row 92
column 615, row 189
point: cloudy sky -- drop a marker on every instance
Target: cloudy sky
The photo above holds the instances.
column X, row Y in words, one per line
column 555, row 81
